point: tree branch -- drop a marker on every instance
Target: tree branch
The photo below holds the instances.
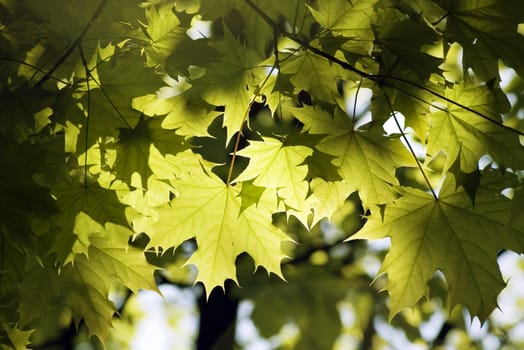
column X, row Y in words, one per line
column 75, row 43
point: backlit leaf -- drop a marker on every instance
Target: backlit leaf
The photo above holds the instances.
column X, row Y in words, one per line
column 466, row 136
column 270, row 157
column 449, row 235
column 366, row 158
column 210, row 211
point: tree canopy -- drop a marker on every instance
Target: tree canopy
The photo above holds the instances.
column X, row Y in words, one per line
column 215, row 137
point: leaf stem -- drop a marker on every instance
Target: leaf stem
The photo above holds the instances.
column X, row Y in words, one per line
column 443, row 17
column 355, row 103
column 237, row 141
column 411, row 150
column 246, row 114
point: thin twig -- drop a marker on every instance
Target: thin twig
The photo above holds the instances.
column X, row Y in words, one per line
column 277, row 66
column 106, row 95
column 356, row 100
column 88, row 110
column 75, row 44
column 449, row 100
column 411, row 150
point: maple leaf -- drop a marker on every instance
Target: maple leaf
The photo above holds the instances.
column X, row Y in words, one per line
column 189, row 52
column 14, row 337
column 231, row 82
column 84, row 82
column 189, row 116
column 269, row 157
column 314, row 74
column 22, row 199
column 85, row 210
column 165, row 32
column 210, row 211
column 487, row 30
column 446, row 234
column 366, row 158
column 327, row 198
column 466, row 136
column 134, row 145
column 88, row 281
column 408, row 101
column 17, row 115
column 397, row 40
column 104, row 104
column 121, row 79
column 85, row 284
column 352, row 20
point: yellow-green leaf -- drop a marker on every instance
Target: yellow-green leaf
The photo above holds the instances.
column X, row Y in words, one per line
column 467, row 136
column 275, row 165
column 449, row 235
column 210, row 211
column 366, row 158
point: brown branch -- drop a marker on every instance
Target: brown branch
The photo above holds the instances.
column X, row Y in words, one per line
column 237, row 141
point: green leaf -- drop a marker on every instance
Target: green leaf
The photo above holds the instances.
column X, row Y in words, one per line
column 187, row 115
column 402, row 48
column 250, row 195
column 487, row 30
column 38, row 291
column 231, row 82
column 13, row 337
column 17, row 110
column 314, row 74
column 85, row 284
column 85, row 211
column 327, row 198
column 104, row 104
column 22, row 199
column 411, row 102
column 366, row 158
column 133, row 154
column 112, row 113
column 165, row 32
column 121, row 79
column 347, row 18
column 210, row 211
column 88, row 281
column 466, row 136
column 189, row 52
column 449, row 235
column 274, row 165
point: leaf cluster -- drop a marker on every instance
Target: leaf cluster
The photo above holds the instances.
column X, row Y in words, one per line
column 203, row 120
